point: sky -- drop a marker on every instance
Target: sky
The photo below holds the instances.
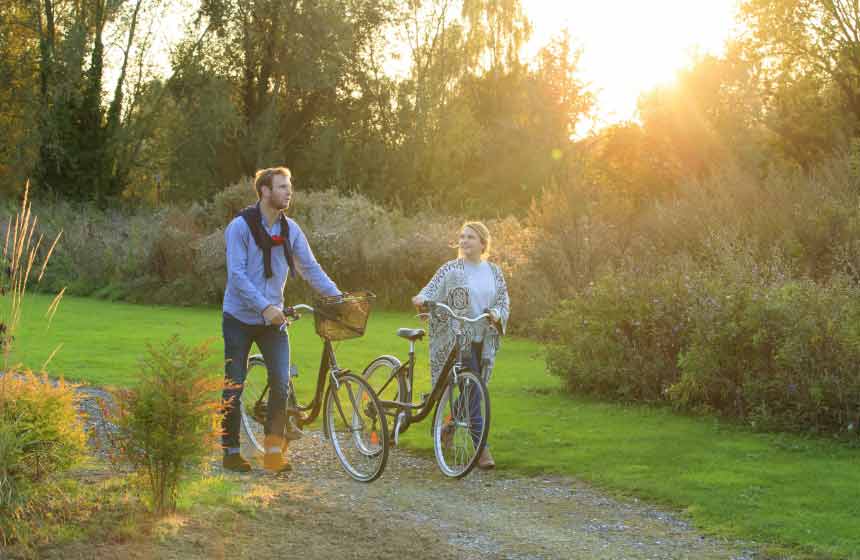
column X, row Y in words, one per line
column 630, row 46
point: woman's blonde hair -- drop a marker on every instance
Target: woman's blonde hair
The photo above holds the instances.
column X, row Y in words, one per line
column 483, row 235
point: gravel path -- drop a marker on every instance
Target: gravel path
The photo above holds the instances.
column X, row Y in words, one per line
column 413, row 509
column 496, row 515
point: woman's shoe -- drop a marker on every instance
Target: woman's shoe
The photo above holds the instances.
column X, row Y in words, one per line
column 485, row 461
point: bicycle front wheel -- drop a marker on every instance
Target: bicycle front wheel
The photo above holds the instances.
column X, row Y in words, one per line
column 461, row 424
column 253, row 404
column 355, row 424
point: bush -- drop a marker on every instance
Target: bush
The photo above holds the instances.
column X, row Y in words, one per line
column 168, row 423
column 732, row 337
column 41, row 434
column 779, row 356
column 100, row 249
column 229, row 202
column 621, row 337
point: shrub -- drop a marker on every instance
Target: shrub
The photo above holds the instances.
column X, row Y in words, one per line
column 100, row 248
column 726, row 335
column 41, row 434
column 621, row 337
column 570, row 237
column 229, row 202
column 168, row 423
column 779, row 356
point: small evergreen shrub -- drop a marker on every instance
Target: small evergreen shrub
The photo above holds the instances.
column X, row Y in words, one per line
column 41, row 434
column 169, row 422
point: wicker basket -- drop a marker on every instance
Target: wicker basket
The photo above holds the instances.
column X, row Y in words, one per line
column 344, row 316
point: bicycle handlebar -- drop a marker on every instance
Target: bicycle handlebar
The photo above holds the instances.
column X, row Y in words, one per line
column 433, row 304
column 292, row 313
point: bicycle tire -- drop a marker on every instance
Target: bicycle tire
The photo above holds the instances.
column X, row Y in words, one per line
column 458, row 451
column 378, row 373
column 253, row 404
column 358, row 437
column 254, row 392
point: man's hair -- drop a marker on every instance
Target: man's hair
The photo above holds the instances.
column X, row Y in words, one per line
column 263, row 178
column 483, row 234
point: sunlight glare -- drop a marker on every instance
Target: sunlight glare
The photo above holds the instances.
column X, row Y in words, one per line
column 630, row 46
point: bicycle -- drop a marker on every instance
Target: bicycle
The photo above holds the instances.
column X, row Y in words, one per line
column 459, row 399
column 353, row 418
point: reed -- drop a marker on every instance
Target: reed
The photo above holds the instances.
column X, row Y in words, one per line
column 21, row 249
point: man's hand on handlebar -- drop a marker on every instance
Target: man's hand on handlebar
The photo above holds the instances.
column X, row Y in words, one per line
column 274, row 316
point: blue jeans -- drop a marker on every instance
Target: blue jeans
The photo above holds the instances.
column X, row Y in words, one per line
column 275, row 347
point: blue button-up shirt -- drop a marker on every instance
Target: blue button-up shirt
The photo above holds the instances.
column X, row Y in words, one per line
column 248, row 291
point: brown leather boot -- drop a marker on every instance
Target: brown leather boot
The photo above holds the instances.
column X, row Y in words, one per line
column 485, row 461
column 236, row 463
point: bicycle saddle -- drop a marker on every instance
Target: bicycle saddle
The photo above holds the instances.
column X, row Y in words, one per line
column 411, row 334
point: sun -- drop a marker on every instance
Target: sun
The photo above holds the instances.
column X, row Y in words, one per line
column 631, row 46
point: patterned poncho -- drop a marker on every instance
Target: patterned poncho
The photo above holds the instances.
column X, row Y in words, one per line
column 449, row 286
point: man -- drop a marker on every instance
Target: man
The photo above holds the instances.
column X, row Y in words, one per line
column 263, row 248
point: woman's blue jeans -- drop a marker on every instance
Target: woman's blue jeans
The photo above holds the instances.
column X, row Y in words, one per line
column 275, row 347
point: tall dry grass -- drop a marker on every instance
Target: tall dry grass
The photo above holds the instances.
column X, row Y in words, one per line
column 41, row 432
column 21, row 248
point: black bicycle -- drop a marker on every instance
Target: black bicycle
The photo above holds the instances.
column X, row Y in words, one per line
column 353, row 417
column 459, row 399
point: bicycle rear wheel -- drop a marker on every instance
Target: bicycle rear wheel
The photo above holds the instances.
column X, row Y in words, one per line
column 389, row 387
column 355, row 424
column 461, row 424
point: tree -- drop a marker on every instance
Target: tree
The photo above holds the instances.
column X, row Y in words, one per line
column 81, row 144
column 810, row 59
column 18, row 95
column 527, row 117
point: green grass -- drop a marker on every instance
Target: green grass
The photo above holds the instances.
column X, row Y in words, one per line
column 790, row 491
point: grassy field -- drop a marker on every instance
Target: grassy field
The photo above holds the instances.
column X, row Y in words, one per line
column 790, row 491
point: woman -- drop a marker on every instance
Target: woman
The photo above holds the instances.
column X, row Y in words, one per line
column 470, row 285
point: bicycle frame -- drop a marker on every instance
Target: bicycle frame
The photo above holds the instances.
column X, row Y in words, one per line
column 328, row 370
column 415, row 413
